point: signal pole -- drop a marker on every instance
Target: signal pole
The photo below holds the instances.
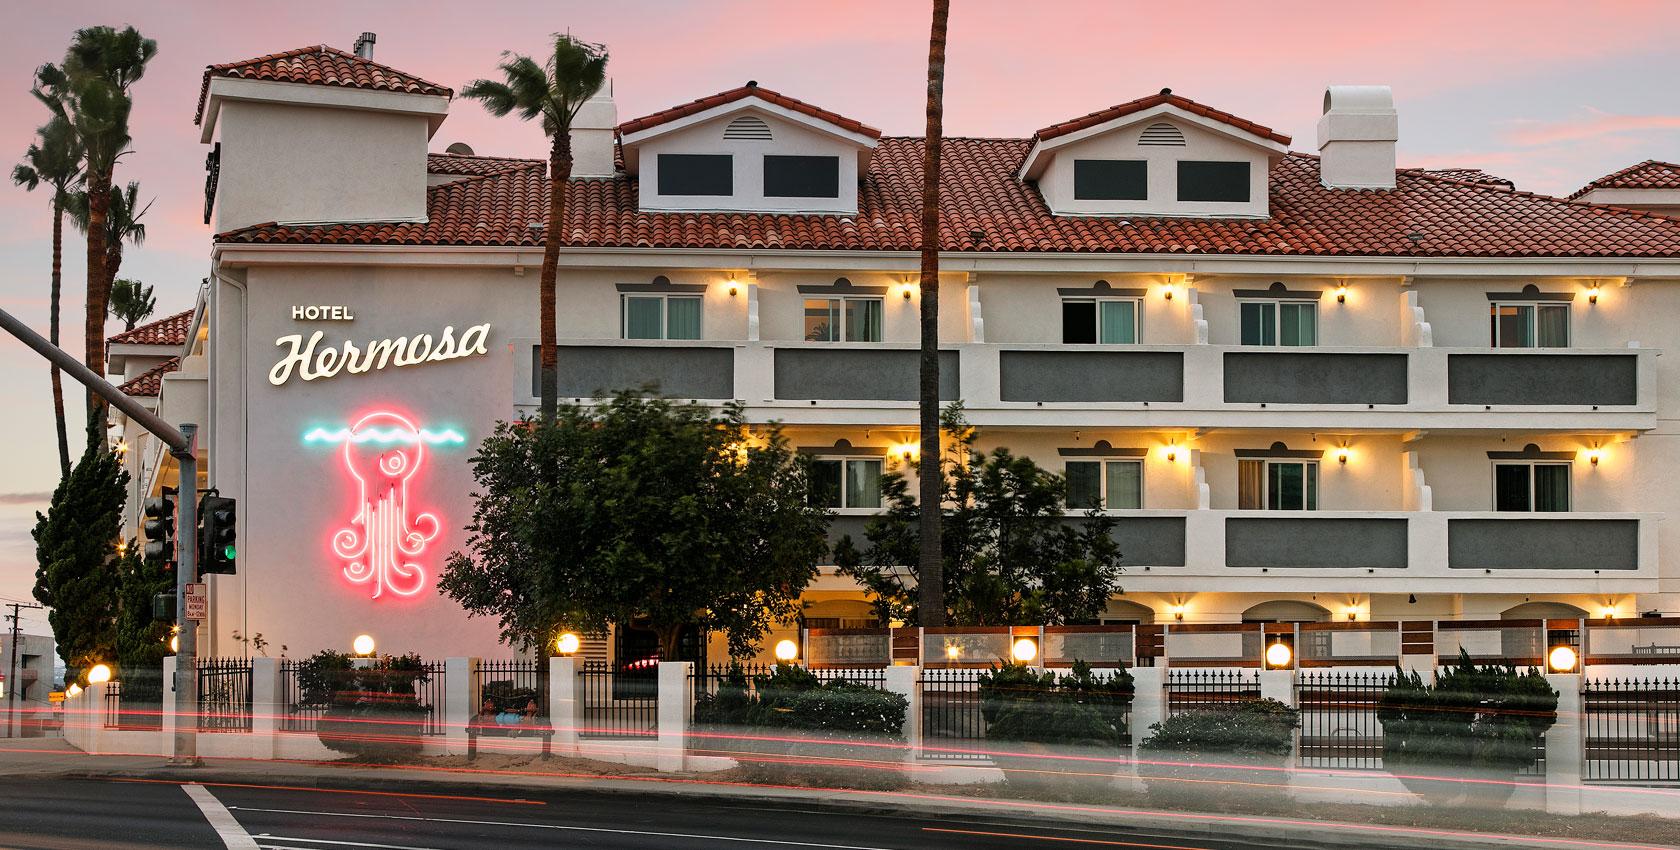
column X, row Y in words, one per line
column 11, row 670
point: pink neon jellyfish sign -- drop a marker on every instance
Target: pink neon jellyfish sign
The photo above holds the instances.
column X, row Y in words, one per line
column 383, row 451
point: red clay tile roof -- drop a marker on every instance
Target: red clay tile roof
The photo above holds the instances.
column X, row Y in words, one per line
column 1469, row 175
column 150, row 382
column 319, row 65
column 746, row 91
column 170, row 330
column 1650, row 174
column 1425, row 215
column 477, row 166
column 1164, row 97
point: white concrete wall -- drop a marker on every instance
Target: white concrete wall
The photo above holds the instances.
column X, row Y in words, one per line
column 788, row 139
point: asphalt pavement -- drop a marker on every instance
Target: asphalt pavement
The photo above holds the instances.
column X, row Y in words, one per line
column 59, row 814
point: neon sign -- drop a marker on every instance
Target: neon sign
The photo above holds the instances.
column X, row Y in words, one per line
column 311, row 364
column 383, row 451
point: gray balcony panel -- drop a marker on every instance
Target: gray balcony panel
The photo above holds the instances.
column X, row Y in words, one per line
column 1275, row 377
column 1543, row 544
column 1094, row 376
column 1150, row 541
column 841, row 526
column 858, row 374
column 1543, row 378
column 1315, row 542
column 598, row 371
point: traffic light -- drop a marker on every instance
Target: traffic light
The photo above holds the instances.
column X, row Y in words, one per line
column 160, row 527
column 216, row 533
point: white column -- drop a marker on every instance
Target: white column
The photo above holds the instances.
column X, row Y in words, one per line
column 1564, row 747
column 675, row 708
column 93, row 717
column 457, row 702
column 166, row 741
column 564, row 710
column 268, row 703
column 902, row 680
column 1149, row 700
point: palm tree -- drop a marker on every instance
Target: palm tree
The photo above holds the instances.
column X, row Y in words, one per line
column 55, row 160
column 931, row 495
column 555, row 92
column 131, row 301
column 122, row 226
column 90, row 92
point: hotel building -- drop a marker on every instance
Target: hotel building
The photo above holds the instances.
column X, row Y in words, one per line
column 1310, row 386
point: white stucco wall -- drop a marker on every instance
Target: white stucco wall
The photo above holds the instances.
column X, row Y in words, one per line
column 788, row 139
column 1199, row 145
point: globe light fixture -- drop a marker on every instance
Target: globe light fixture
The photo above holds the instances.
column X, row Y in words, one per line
column 1278, row 655
column 1024, row 650
column 363, row 645
column 567, row 643
column 1562, row 659
column 786, row 651
column 99, row 674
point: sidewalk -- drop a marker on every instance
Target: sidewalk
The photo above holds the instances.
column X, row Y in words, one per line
column 53, row 758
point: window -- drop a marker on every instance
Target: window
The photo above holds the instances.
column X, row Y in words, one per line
column 846, row 482
column 661, row 317
column 1110, row 180
column 1113, row 484
column 1213, row 181
column 696, row 174
column 801, row 177
column 848, row 319
column 1277, row 485
column 1100, row 320
column 1279, row 322
column 1530, row 325
column 1531, row 486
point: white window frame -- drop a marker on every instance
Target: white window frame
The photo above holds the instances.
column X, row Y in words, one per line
column 1533, row 322
column 1277, row 321
column 1137, row 316
column 840, row 335
column 1266, row 481
column 1102, row 479
column 845, row 485
column 1569, row 483
column 664, row 314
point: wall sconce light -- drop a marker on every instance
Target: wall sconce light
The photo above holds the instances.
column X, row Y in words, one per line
column 1352, row 614
column 1341, row 294
column 1178, row 613
column 733, row 286
column 1609, row 612
column 1172, row 452
column 906, row 290
column 1342, row 455
column 1562, row 659
column 1593, row 454
column 1167, row 292
column 1592, row 294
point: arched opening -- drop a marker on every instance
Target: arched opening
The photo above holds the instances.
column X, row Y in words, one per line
column 1121, row 612
column 1531, row 643
column 1543, row 611
column 1287, row 611
column 839, row 614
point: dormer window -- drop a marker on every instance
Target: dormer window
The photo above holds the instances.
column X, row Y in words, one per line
column 696, row 174
column 1225, row 182
column 1110, row 179
column 801, row 176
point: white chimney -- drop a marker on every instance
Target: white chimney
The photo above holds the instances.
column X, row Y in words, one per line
column 1356, row 137
column 364, row 45
column 592, row 135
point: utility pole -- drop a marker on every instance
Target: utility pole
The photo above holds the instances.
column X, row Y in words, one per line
column 183, row 445
column 11, row 670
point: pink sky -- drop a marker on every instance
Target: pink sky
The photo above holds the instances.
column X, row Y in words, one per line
column 1549, row 94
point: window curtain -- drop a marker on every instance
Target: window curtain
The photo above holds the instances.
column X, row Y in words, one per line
column 1259, row 323
column 1298, row 324
column 1551, row 487
column 863, row 320
column 1512, row 325
column 1251, row 485
column 1552, row 326
column 1084, row 487
column 1125, row 485
column 682, row 318
column 863, row 484
column 1119, row 322
column 642, row 319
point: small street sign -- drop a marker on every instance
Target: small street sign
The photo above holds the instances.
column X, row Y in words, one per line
column 198, row 602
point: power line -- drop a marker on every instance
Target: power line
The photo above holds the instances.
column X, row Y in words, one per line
column 11, row 669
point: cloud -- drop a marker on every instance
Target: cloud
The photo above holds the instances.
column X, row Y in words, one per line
column 26, row 499
column 1598, row 125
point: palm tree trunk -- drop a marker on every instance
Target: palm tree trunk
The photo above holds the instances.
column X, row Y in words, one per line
column 559, row 173
column 98, row 289
column 52, row 331
column 931, row 478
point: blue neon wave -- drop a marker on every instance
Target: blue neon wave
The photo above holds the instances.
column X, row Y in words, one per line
column 386, row 436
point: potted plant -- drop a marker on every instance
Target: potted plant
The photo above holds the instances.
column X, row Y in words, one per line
column 1055, row 731
column 1476, row 723
column 801, row 728
column 372, row 708
column 1197, row 758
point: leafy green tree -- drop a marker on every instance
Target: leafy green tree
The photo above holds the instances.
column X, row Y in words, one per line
column 554, row 92
column 131, row 301
column 141, row 642
column 89, row 91
column 54, row 159
column 1012, row 553
column 639, row 511
column 75, row 554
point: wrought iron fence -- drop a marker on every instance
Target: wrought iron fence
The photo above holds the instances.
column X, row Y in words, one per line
column 113, row 705
column 1632, row 730
column 1339, row 725
column 300, row 711
column 511, row 683
column 951, row 718
column 432, row 690
column 707, row 681
column 224, row 694
column 621, row 703
column 296, row 715
column 1202, row 690
column 873, row 677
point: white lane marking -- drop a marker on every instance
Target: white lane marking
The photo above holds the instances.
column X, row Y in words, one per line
column 271, row 837
column 595, row 829
column 221, row 820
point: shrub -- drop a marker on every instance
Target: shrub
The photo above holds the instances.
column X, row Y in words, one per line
column 793, row 698
column 1262, row 727
column 1490, row 717
column 372, row 710
column 1079, row 708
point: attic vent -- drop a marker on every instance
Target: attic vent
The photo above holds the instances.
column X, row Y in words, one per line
column 1162, row 134
column 748, row 127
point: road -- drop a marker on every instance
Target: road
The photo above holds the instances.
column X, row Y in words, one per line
column 130, row 815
